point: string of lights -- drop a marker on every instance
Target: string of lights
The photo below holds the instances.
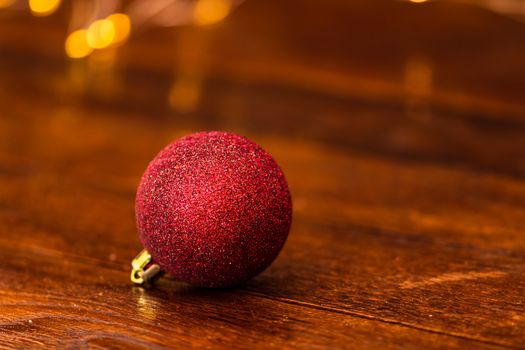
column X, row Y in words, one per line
column 100, row 24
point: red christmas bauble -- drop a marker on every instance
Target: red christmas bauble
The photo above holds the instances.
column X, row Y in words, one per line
column 213, row 209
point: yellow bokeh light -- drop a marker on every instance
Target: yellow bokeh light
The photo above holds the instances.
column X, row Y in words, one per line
column 418, row 76
column 185, row 94
column 121, row 25
column 418, row 1
column 77, row 45
column 211, row 11
column 6, row 3
column 100, row 34
column 43, row 7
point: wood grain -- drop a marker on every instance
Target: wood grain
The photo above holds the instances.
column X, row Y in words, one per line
column 408, row 199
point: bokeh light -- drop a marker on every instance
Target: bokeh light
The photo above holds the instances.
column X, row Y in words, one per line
column 208, row 12
column 121, row 25
column 77, row 45
column 185, row 94
column 418, row 76
column 100, row 34
column 43, row 7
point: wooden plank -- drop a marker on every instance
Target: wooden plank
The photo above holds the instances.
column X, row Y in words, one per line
column 408, row 248
column 377, row 126
column 49, row 299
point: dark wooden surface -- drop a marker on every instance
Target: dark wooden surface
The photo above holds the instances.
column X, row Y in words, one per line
column 400, row 126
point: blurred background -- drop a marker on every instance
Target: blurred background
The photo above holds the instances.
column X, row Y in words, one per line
column 91, row 90
column 378, row 76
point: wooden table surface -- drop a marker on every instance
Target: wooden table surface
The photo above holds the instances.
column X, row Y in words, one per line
column 400, row 127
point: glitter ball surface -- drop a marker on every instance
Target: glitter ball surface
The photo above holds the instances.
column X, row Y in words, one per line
column 213, row 209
